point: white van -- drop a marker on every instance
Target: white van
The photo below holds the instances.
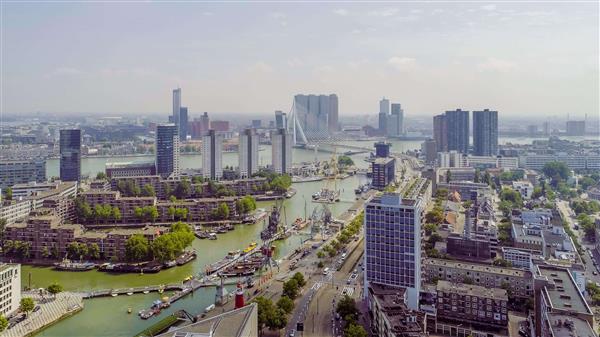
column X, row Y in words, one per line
column 325, row 271
column 343, row 256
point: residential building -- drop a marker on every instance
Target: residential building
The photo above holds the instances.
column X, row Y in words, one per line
column 485, row 133
column 176, row 106
column 384, row 172
column 219, row 126
column 200, row 126
column 10, row 288
column 560, row 307
column 241, row 322
column 525, row 188
column 248, row 153
column 483, row 162
column 389, row 314
column 449, row 159
column 212, row 155
column 280, row 120
column 392, row 254
column 384, row 111
column 14, row 210
column 466, row 189
column 519, row 282
column 456, row 174
column 70, row 155
column 440, row 133
column 167, row 150
column 429, row 151
column 130, row 169
column 470, row 246
column 471, row 307
column 573, row 161
column 281, row 151
column 457, row 125
column 575, row 128
column 14, row 172
column 183, row 123
column 382, row 149
column 397, row 115
column 517, row 258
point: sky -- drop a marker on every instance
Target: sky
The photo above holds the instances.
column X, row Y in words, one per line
column 534, row 59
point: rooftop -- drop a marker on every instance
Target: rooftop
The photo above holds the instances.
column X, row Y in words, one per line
column 470, row 289
column 562, row 292
column 569, row 326
column 484, row 268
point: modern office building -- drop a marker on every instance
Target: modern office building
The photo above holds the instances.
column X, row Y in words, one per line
column 14, row 172
column 382, row 149
column 392, row 255
column 384, row 172
column 281, row 151
column 70, row 155
column 280, row 120
column 317, row 114
column 575, row 128
column 248, row 153
column 440, row 134
column 10, row 288
column 176, row 106
column 183, row 123
column 384, row 111
column 485, row 133
column 457, row 130
column 212, row 155
column 396, row 121
column 167, row 150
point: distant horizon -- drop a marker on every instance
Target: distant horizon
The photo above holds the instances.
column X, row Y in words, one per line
column 539, row 59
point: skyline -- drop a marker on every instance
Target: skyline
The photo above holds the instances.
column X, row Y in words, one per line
column 539, row 59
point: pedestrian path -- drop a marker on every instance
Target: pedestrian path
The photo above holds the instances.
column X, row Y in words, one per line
column 348, row 291
column 316, row 286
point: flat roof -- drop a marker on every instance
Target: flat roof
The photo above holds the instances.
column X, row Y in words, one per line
column 471, row 289
column 484, row 268
column 564, row 295
column 570, row 326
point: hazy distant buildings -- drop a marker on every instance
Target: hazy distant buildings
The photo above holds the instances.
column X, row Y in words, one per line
column 176, row 105
column 429, row 151
column 212, row 155
column 281, row 151
column 457, row 130
column 280, row 120
column 384, row 111
column 382, row 149
column 575, row 128
column 396, row 120
column 70, row 155
column 21, row 171
column 485, row 133
column 183, row 123
column 167, row 150
column 317, row 114
column 440, row 134
column 219, row 126
column 248, row 153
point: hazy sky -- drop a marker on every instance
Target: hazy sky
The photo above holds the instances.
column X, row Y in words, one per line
column 521, row 59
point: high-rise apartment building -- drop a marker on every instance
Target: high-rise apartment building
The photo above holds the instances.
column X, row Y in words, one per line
column 205, row 122
column 384, row 111
column 248, row 153
column 575, row 128
column 440, row 133
column 212, row 155
column 70, row 155
column 183, row 123
column 280, row 120
column 167, row 150
column 14, row 172
column 382, row 149
column 397, row 120
column 176, row 106
column 485, row 133
column 10, row 288
column 317, row 114
column 457, row 130
column 384, row 172
column 392, row 254
column 281, row 151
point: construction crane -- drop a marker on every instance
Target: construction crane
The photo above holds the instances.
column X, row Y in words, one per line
column 329, row 194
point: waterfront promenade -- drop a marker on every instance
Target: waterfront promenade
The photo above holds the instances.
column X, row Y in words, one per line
column 51, row 310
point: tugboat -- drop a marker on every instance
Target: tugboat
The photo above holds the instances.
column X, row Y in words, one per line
column 186, row 257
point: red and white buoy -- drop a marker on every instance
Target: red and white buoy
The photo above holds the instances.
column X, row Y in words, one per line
column 239, row 296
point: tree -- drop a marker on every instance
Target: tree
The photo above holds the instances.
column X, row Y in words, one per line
column 101, row 176
column 286, row 304
column 346, row 307
column 148, row 191
column 345, row 161
column 502, row 262
column 277, row 320
column 299, row 279
column 3, row 323
column 94, row 251
column 171, row 212
column 116, row 214
column 221, row 212
column 73, row 250
column 2, row 229
column 291, row 288
column 183, row 189
column 137, row 248
column 265, row 310
column 557, row 171
column 355, row 330
column 320, row 264
column 448, row 176
column 26, row 305
column 54, row 289
column 435, row 216
column 8, row 194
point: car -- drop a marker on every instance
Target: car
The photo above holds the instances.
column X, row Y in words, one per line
column 292, row 333
column 594, row 273
column 37, row 308
column 349, row 281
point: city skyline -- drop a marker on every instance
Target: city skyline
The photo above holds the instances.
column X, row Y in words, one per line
column 464, row 55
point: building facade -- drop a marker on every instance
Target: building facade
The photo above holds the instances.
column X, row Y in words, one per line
column 176, row 106
column 70, row 155
column 317, row 114
column 384, row 172
column 183, row 123
column 14, row 172
column 485, row 133
column 10, row 288
column 248, row 153
column 167, row 150
column 458, row 130
column 121, row 170
column 440, row 133
column 212, row 155
column 281, row 151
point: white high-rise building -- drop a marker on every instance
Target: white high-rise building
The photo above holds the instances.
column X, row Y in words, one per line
column 393, row 239
column 281, row 151
column 248, row 153
column 212, row 155
column 10, row 288
column 176, row 105
column 398, row 118
column 384, row 106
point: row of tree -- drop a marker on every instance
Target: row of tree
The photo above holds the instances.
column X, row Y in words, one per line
column 100, row 213
column 165, row 247
column 334, row 246
column 274, row 316
column 347, row 310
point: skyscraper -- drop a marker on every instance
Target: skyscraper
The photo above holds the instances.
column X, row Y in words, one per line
column 205, row 123
column 392, row 254
column 457, row 130
column 316, row 114
column 176, row 105
column 485, row 133
column 212, row 155
column 280, row 120
column 70, row 155
column 167, row 150
column 332, row 122
column 575, row 128
column 384, row 111
column 398, row 128
column 281, row 151
column 183, row 123
column 248, row 153
column 440, row 134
